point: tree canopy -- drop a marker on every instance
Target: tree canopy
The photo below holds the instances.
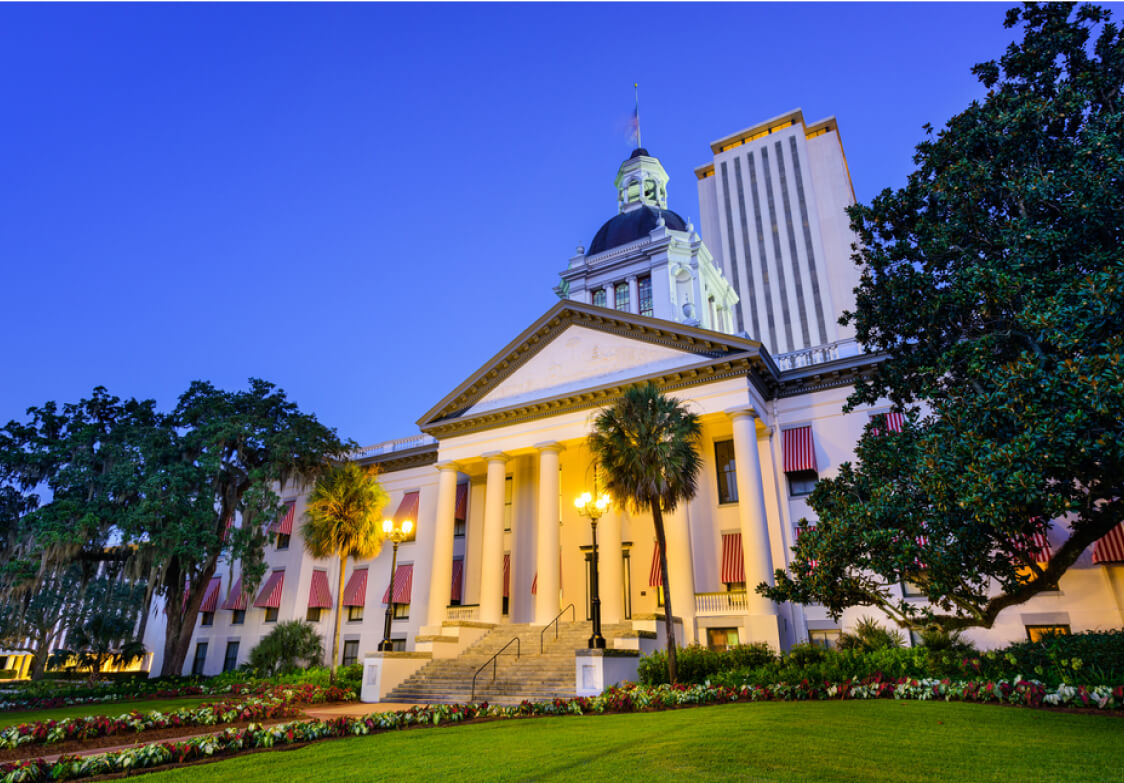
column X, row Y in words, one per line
column 993, row 281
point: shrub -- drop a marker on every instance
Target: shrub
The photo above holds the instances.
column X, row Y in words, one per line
column 1091, row 657
column 290, row 646
column 697, row 664
column 869, row 636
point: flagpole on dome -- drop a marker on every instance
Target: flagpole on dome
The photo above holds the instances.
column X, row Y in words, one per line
column 636, row 114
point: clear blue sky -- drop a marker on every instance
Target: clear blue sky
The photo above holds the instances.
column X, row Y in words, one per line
column 362, row 203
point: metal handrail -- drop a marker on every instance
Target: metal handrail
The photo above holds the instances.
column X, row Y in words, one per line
column 492, row 661
column 554, row 622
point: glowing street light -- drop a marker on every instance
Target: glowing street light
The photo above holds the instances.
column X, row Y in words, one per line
column 594, row 510
column 396, row 533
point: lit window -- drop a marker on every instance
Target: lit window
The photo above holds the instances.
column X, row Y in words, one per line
column 802, row 482
column 354, row 614
column 1037, row 633
column 271, row 615
column 230, row 659
column 828, row 639
column 458, row 528
column 313, row 615
column 350, row 652
column 727, row 471
column 912, row 589
column 283, row 540
column 401, row 611
column 644, row 294
column 507, row 504
column 721, row 638
column 621, row 295
column 599, row 297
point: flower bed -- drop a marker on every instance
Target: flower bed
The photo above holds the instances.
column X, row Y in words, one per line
column 305, row 694
column 629, row 698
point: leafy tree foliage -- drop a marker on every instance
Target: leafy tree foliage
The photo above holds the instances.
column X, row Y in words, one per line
column 647, row 445
column 994, row 283
column 103, row 630
column 106, row 481
column 343, row 519
column 291, row 645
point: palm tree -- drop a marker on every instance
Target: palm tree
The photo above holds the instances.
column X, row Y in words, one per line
column 342, row 520
column 646, row 445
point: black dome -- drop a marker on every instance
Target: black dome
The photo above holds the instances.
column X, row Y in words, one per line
column 632, row 225
column 636, row 153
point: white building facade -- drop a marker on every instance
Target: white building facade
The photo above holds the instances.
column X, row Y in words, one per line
column 491, row 478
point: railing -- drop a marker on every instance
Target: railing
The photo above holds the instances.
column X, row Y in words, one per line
column 401, row 444
column 492, row 660
column 554, row 622
column 817, row 355
column 464, row 612
column 720, row 603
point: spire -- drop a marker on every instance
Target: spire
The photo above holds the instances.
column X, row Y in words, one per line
column 636, row 116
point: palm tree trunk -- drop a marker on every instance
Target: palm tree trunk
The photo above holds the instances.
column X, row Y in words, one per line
column 669, row 626
column 339, row 619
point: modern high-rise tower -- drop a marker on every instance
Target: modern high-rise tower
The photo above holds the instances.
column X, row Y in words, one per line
column 772, row 212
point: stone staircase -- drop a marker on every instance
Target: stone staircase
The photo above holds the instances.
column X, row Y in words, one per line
column 534, row 676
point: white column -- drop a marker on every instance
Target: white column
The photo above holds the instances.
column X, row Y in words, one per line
column 547, row 538
column 610, row 299
column 751, row 511
column 491, row 556
column 611, row 567
column 633, row 301
column 681, row 574
column 442, row 572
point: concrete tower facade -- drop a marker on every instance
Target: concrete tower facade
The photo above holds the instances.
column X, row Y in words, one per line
column 772, row 207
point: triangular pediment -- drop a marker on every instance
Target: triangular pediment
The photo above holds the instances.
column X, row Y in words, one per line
column 574, row 348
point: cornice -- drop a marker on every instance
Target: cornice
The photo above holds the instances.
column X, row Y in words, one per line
column 402, row 460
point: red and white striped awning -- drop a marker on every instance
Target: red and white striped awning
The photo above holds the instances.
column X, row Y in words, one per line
column 801, row 531
column 408, row 509
column 456, row 592
column 319, row 594
column 236, row 600
column 507, row 576
column 461, row 511
column 355, row 594
column 1110, row 547
column 799, row 449
column 270, row 595
column 655, row 574
column 403, row 584
column 892, row 420
column 284, row 523
column 1039, row 547
column 211, row 597
column 733, row 565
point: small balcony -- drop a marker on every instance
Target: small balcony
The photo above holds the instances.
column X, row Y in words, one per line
column 711, row 604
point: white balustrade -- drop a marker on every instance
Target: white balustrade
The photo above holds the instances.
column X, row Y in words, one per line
column 720, row 603
column 462, row 613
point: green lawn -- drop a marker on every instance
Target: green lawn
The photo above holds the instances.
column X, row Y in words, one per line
column 110, row 708
column 801, row 741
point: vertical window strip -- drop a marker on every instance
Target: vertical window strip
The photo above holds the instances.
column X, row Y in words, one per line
column 813, row 275
column 599, row 297
column 751, row 292
column 620, row 292
column 733, row 262
column 777, row 255
column 767, row 292
column 644, row 294
column 797, row 278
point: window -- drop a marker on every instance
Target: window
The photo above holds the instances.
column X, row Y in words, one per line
column 828, row 639
column 239, row 617
column 1037, row 633
column 644, row 294
column 401, row 611
column 271, row 615
column 397, row 645
column 659, row 595
column 735, row 587
column 458, row 528
column 506, row 605
column 313, row 615
column 721, row 638
column 350, row 652
column 230, row 658
column 727, row 471
column 354, row 614
column 620, row 293
column 802, row 482
column 199, row 660
column 207, row 618
column 599, row 297
column 283, row 540
column 912, row 589
column 507, row 504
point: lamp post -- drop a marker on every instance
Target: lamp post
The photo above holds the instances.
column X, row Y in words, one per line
column 594, row 509
column 397, row 534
